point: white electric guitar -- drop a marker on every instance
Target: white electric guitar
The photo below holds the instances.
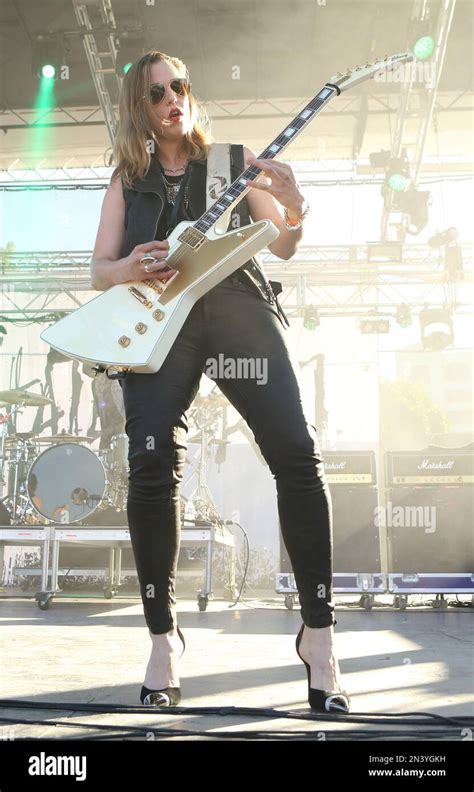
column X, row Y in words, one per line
column 132, row 326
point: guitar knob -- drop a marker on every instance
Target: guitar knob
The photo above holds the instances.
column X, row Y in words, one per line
column 124, row 341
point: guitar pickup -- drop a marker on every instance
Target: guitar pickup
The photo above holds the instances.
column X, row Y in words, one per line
column 140, row 297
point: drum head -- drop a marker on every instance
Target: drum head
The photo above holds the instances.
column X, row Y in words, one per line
column 66, row 483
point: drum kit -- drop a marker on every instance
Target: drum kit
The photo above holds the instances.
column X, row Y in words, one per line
column 55, row 478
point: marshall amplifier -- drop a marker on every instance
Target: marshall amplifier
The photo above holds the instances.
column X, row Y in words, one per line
column 356, row 557
column 428, row 512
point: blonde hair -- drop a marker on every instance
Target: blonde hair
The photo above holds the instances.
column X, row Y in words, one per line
column 131, row 145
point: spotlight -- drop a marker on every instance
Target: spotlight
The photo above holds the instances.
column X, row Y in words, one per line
column 436, row 326
column 443, row 238
column 131, row 45
column 421, row 38
column 374, row 326
column 311, row 319
column 403, row 315
column 48, row 52
column 397, row 169
column 379, row 159
column 397, row 175
column 415, row 204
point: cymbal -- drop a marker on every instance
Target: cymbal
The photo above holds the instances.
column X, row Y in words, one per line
column 16, row 436
column 64, row 437
column 28, row 398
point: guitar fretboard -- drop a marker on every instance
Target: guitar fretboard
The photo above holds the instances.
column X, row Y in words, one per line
column 234, row 192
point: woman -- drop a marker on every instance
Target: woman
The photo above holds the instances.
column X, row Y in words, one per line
column 161, row 145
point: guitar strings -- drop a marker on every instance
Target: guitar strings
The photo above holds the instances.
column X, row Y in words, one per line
column 180, row 253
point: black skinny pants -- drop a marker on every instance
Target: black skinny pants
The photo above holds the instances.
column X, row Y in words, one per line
column 235, row 321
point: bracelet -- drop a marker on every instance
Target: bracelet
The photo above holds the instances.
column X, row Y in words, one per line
column 299, row 223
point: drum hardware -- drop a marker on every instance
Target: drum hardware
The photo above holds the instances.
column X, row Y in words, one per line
column 200, row 504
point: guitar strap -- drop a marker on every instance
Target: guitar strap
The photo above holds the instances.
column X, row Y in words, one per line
column 218, row 172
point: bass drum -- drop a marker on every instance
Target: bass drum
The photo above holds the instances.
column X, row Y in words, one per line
column 66, row 483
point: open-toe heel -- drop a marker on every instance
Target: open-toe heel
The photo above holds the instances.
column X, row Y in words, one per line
column 323, row 700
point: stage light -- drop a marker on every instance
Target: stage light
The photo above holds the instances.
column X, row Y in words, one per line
column 48, row 71
column 414, row 203
column 374, row 326
column 48, row 54
column 379, row 159
column 422, row 40
column 443, row 238
column 311, row 319
column 131, row 46
column 403, row 315
column 436, row 326
column 397, row 175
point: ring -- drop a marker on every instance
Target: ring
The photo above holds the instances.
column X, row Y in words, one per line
column 149, row 260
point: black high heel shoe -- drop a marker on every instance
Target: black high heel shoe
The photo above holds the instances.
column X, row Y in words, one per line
column 323, row 700
column 166, row 697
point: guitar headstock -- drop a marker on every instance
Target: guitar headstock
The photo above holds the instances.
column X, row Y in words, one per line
column 358, row 74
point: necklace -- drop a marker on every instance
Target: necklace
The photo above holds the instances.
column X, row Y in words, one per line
column 172, row 189
column 170, row 170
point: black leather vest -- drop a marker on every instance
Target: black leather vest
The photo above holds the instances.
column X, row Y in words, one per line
column 146, row 201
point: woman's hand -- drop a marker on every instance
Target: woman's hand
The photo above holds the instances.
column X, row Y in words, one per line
column 134, row 268
column 283, row 185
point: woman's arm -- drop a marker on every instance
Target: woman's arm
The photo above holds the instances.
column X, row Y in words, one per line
column 107, row 268
column 266, row 200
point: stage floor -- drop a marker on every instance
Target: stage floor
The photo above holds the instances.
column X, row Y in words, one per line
column 95, row 651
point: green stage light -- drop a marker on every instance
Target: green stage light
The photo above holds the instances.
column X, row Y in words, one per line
column 424, row 47
column 311, row 318
column 398, row 182
column 48, row 71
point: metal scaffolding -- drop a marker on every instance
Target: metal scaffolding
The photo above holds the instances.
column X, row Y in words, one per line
column 341, row 280
column 424, row 113
column 102, row 60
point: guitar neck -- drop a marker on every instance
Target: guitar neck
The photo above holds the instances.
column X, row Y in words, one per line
column 239, row 187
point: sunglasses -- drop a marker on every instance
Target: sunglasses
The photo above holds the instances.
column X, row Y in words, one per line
column 180, row 86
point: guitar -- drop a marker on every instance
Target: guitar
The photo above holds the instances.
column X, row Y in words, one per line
column 132, row 326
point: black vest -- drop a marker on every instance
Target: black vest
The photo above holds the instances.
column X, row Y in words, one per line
column 146, row 201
